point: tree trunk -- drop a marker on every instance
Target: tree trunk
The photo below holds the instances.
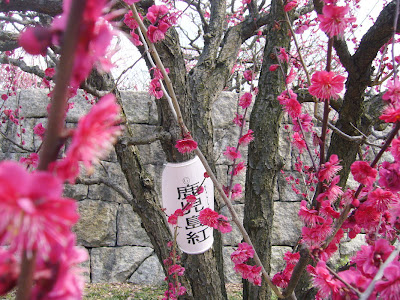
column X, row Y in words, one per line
column 264, row 162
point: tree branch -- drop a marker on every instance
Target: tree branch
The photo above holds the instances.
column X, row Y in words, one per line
column 161, row 135
column 8, row 41
column 49, row 7
column 106, row 181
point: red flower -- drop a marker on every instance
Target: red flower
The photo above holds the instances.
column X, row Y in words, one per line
column 239, row 168
column 290, row 5
column 34, row 213
column 392, row 95
column 209, row 217
column 324, row 281
column 389, row 286
column 326, row 85
column 381, row 199
column 363, row 172
column 333, row 20
column 156, row 12
column 299, row 142
column 329, row 169
column 231, row 153
column 156, row 34
column 155, row 88
column 35, row 40
column 238, row 120
column 247, row 138
column 245, row 100
column 93, row 138
column 395, row 149
column 390, row 176
column 242, row 253
column 391, row 114
column 186, row 145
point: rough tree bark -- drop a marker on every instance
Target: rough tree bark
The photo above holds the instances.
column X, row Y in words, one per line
column 264, row 162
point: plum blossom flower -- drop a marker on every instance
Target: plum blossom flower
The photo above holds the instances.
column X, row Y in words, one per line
column 231, row 153
column 155, row 88
column 274, row 67
column 363, row 172
column 392, row 94
column 324, row 281
column 245, row 100
column 212, row 219
column 242, row 253
column 391, row 114
column 390, row 176
column 329, row 169
column 157, row 33
column 381, row 199
column 31, row 160
column 370, row 258
column 333, row 20
column 33, row 214
column 156, row 12
column 238, row 120
column 248, row 75
column 309, row 216
column 389, row 286
column 299, row 142
column 246, row 138
column 283, row 56
column 35, row 40
column 305, row 121
column 326, row 85
column 93, row 138
column 290, row 5
column 186, row 145
column 395, row 149
column 209, row 217
column 239, row 168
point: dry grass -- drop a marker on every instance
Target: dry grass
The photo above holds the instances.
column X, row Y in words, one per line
column 119, row 291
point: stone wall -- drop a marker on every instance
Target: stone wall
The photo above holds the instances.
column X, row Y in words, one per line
column 119, row 248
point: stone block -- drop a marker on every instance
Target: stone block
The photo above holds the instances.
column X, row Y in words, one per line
column 130, row 231
column 223, row 110
column 286, row 228
column 139, row 107
column 234, row 237
column 97, row 225
column 277, row 262
column 230, row 275
column 116, row 264
column 150, row 272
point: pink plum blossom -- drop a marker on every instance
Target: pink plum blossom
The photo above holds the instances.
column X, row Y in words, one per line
column 186, row 145
column 326, row 85
column 33, row 214
column 363, row 172
column 93, row 138
column 333, row 20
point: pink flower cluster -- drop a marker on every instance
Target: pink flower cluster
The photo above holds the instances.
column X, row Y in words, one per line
column 186, row 145
column 326, row 85
column 239, row 257
column 35, row 218
column 392, row 96
column 175, row 289
column 212, row 219
column 95, row 37
column 364, row 266
column 333, row 20
column 161, row 19
column 92, row 139
column 281, row 279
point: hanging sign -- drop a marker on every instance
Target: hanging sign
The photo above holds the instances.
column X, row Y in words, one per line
column 180, row 180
